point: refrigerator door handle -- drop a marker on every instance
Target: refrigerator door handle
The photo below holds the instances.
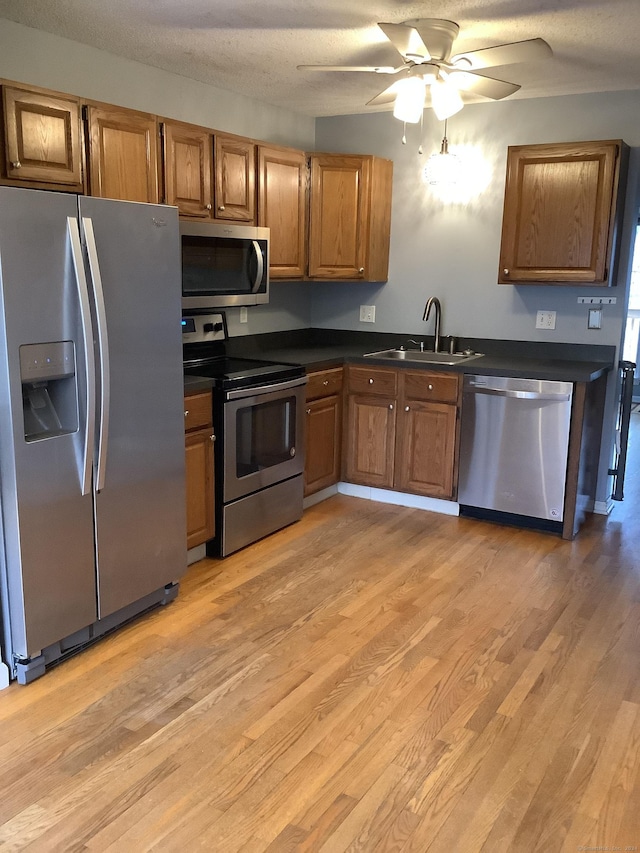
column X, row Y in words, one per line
column 87, row 342
column 103, row 351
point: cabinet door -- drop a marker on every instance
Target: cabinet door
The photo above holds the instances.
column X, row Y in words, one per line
column 370, row 438
column 322, row 449
column 187, row 170
column 199, row 486
column 123, row 154
column 42, row 138
column 282, row 182
column 559, row 212
column 337, row 226
column 425, row 451
column 235, row 179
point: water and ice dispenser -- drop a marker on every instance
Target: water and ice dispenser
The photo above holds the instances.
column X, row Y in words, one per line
column 49, row 389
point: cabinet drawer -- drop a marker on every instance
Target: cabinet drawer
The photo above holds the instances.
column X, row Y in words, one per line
column 431, row 386
column 197, row 410
column 363, row 380
column 324, row 383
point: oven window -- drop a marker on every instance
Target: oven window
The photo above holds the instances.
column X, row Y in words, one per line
column 265, row 435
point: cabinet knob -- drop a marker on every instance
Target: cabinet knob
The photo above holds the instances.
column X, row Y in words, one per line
column 221, row 207
column 186, row 414
column 326, row 382
column 212, row 437
column 16, row 164
column 430, row 387
column 371, row 382
column 361, row 270
column 391, row 407
column 505, row 271
column 407, row 409
column 308, row 411
column 207, row 207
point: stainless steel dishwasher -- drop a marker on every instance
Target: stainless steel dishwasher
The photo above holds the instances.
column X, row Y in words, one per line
column 514, row 440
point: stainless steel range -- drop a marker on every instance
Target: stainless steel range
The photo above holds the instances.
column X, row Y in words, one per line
column 258, row 418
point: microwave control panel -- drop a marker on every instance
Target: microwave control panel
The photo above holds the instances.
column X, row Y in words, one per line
column 203, row 328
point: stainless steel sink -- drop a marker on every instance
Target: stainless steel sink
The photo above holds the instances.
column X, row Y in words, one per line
column 424, row 357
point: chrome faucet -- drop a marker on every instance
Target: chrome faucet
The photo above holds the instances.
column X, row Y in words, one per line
column 433, row 300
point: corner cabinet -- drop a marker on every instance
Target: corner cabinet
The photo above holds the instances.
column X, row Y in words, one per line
column 323, row 430
column 41, row 139
column 350, row 217
column 403, row 430
column 282, row 200
column 199, row 439
column 560, row 212
column 123, row 154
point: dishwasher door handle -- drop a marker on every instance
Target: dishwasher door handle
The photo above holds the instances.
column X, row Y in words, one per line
column 520, row 395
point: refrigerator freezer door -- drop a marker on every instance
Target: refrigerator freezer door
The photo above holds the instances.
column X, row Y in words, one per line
column 48, row 578
column 140, row 506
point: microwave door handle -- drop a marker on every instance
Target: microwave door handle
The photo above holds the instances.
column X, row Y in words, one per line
column 260, row 263
column 87, row 343
column 103, row 351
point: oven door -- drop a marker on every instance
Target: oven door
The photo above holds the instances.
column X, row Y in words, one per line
column 263, row 437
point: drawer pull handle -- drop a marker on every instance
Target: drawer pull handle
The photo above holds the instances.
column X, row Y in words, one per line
column 371, row 382
column 186, row 414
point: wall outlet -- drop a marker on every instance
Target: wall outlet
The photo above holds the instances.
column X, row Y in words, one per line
column 243, row 314
column 367, row 313
column 546, row 320
column 594, row 320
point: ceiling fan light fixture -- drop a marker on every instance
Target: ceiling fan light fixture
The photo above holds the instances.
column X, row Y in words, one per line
column 445, row 99
column 409, row 103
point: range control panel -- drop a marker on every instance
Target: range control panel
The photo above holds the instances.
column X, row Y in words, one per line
column 203, row 327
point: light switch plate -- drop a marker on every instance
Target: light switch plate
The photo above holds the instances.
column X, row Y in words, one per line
column 595, row 318
column 367, row 313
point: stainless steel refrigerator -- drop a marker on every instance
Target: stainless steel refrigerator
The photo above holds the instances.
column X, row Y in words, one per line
column 91, row 420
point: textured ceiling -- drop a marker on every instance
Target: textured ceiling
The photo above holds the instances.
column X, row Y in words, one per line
column 253, row 46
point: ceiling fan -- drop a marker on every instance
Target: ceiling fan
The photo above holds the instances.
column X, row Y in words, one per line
column 425, row 45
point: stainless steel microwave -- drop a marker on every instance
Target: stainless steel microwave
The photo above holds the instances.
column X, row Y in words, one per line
column 224, row 265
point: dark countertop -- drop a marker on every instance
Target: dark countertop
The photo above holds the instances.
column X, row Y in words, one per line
column 319, row 349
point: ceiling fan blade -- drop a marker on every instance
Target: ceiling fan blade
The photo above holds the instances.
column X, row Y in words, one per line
column 378, row 69
column 504, row 54
column 387, row 96
column 489, row 87
column 407, row 41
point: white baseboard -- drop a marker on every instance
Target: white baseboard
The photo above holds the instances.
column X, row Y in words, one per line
column 322, row 495
column 603, row 507
column 400, row 499
column 197, row 553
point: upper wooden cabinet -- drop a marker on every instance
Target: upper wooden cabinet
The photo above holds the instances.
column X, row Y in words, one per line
column 186, row 167
column 123, row 154
column 41, row 139
column 235, row 178
column 282, row 193
column 350, row 217
column 560, row 213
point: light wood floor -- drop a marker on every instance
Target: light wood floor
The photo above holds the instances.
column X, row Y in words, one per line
column 373, row 678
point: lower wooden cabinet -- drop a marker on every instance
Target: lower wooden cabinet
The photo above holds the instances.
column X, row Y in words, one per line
column 199, row 439
column 323, row 422
column 402, row 430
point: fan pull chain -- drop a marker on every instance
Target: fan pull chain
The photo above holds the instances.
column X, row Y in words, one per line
column 421, row 132
column 404, row 133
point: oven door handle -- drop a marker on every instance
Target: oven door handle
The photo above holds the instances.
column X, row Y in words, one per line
column 242, row 393
column 260, row 263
